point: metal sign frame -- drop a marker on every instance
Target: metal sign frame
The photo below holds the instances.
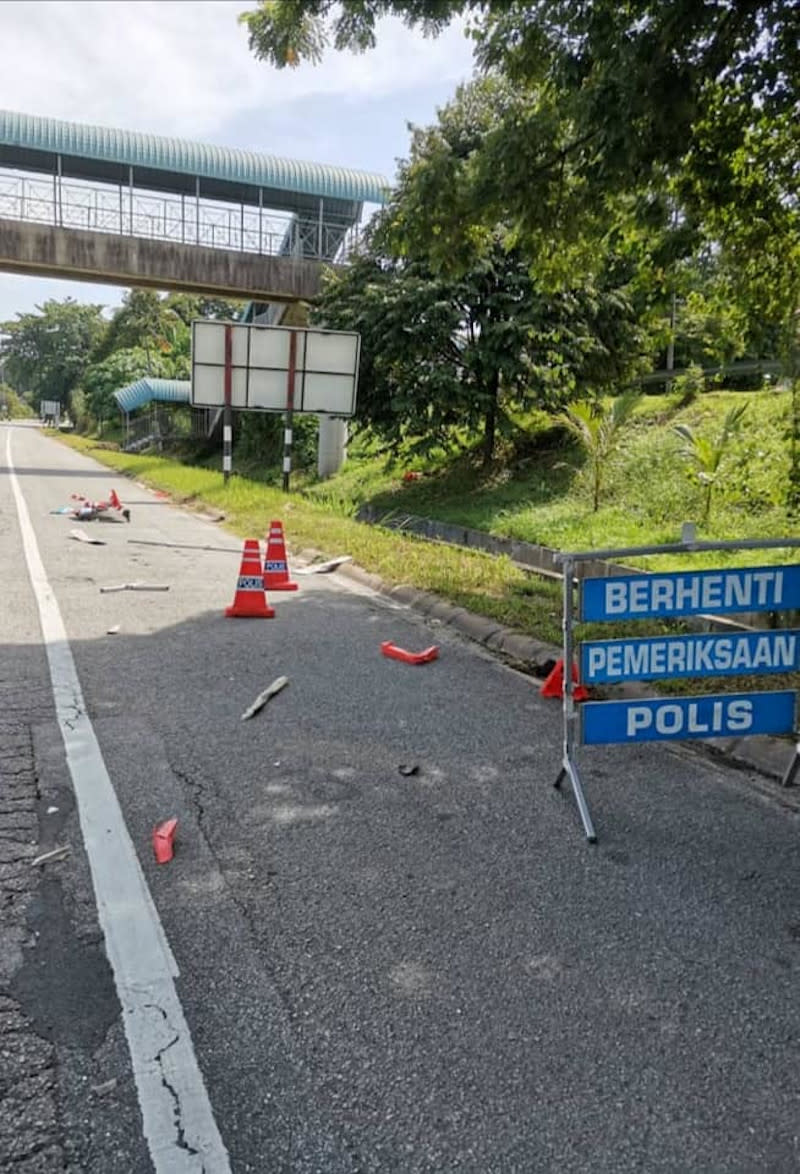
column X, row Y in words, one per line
column 569, row 561
column 284, row 369
column 270, row 365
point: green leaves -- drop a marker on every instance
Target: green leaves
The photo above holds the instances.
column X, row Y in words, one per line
column 705, row 454
column 599, row 429
column 47, row 352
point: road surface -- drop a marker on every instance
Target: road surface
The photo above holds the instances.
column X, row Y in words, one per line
column 347, row 968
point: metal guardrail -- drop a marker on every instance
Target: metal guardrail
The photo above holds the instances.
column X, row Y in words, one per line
column 187, row 220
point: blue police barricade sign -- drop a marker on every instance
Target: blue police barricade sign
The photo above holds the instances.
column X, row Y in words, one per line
column 718, row 655
column 687, row 593
column 723, row 715
column 657, row 595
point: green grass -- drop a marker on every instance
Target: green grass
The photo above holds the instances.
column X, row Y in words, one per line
column 541, row 494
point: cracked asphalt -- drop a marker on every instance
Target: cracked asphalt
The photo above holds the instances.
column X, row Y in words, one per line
column 425, row 972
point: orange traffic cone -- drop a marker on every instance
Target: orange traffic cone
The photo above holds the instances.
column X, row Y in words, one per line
column 554, row 683
column 276, row 568
column 250, row 599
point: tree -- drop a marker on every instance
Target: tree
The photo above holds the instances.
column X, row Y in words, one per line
column 705, row 454
column 635, row 81
column 121, row 367
column 599, row 429
column 461, row 323
column 46, row 353
column 143, row 320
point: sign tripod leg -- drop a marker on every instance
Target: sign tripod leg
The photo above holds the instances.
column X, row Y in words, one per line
column 568, row 768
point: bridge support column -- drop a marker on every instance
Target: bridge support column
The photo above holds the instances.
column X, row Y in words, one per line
column 331, row 445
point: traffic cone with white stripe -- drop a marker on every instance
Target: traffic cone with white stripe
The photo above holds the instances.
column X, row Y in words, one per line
column 250, row 600
column 276, row 568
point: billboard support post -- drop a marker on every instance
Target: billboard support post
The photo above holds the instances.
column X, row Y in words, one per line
column 289, row 419
column 227, row 423
column 648, row 594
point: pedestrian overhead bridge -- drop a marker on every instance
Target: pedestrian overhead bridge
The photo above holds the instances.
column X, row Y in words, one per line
column 90, row 203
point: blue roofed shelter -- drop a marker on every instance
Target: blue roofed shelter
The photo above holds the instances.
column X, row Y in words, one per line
column 151, row 428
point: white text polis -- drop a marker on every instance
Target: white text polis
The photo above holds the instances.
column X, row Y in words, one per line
column 676, row 594
column 723, row 716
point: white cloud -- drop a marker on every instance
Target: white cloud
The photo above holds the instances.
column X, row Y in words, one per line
column 185, row 69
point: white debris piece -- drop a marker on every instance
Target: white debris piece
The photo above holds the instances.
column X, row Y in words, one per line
column 135, row 587
column 327, row 567
column 262, row 699
column 53, row 857
column 82, row 536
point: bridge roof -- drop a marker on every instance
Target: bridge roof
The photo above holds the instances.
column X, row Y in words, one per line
column 27, row 138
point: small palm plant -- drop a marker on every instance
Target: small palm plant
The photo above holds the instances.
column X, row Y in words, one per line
column 598, row 428
column 705, row 454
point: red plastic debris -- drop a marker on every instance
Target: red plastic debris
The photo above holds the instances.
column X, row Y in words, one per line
column 553, row 685
column 409, row 476
column 427, row 654
column 163, row 835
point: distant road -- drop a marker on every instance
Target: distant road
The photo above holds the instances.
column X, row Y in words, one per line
column 346, row 966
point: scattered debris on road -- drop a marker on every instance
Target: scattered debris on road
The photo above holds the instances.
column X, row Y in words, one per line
column 163, row 837
column 53, row 857
column 82, row 536
column 101, row 1090
column 135, row 587
column 327, row 567
column 94, row 511
column 395, row 653
column 262, row 699
column 112, row 631
column 183, row 545
column 407, row 771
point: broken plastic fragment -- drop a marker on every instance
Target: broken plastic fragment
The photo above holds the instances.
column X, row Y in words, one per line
column 82, row 536
column 135, row 587
column 262, row 699
column 427, row 654
column 327, row 567
column 54, row 857
column 163, row 836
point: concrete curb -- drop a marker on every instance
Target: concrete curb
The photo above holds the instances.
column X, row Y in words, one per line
column 767, row 756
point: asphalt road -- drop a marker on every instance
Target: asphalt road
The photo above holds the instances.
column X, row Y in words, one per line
column 380, row 972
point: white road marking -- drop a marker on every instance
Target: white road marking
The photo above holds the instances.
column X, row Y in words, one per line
column 179, row 1124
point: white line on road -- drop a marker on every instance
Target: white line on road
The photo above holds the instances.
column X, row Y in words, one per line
column 179, row 1124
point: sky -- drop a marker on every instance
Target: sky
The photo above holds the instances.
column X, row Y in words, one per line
column 177, row 68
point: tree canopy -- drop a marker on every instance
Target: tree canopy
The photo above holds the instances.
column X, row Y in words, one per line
column 461, row 326
column 46, row 353
column 639, row 74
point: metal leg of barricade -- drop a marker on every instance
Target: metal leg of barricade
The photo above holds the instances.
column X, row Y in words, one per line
column 568, row 768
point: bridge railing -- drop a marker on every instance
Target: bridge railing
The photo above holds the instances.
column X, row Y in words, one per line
column 187, row 220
